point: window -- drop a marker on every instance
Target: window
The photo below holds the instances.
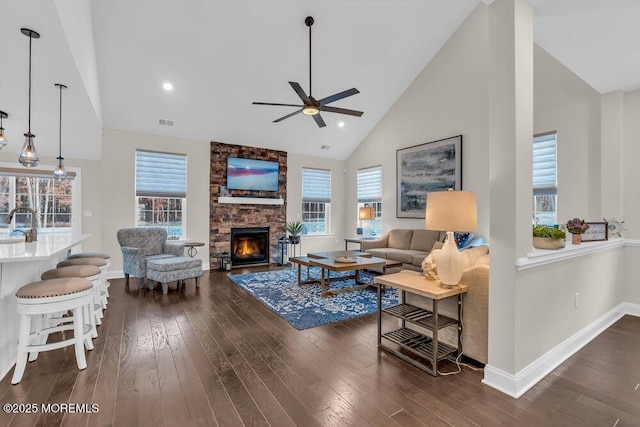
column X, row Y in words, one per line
column 161, row 191
column 316, row 201
column 370, row 194
column 52, row 199
column 545, row 179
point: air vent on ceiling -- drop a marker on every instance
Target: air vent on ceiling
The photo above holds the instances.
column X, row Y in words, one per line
column 325, row 147
column 164, row 122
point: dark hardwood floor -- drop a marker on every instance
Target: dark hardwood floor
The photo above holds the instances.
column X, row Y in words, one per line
column 216, row 356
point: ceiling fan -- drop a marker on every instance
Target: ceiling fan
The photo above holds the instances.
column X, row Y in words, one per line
column 311, row 106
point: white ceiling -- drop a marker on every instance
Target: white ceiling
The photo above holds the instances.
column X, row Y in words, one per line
column 223, row 54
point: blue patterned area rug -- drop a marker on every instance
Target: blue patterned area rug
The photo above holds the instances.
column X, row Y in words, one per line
column 303, row 306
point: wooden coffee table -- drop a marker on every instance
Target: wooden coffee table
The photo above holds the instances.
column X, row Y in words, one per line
column 327, row 261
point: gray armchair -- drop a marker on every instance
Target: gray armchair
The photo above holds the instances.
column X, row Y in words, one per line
column 142, row 244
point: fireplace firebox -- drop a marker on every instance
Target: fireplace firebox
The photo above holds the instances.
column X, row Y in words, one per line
column 249, row 246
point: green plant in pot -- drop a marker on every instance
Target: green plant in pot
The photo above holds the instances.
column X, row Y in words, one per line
column 294, row 228
column 548, row 237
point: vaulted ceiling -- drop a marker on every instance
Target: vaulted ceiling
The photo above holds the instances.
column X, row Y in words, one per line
column 220, row 55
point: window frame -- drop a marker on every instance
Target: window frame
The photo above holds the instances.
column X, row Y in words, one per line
column 374, row 200
column 76, row 199
column 156, row 195
column 545, row 192
column 322, row 200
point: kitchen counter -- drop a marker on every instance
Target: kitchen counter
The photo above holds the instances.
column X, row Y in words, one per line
column 22, row 263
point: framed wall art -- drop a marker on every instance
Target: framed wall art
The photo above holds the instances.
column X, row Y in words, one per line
column 596, row 231
column 433, row 166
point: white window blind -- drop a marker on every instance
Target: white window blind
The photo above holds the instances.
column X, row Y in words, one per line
column 316, row 185
column 161, row 174
column 545, row 164
column 370, row 185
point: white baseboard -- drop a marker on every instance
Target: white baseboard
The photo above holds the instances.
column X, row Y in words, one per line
column 119, row 274
column 518, row 384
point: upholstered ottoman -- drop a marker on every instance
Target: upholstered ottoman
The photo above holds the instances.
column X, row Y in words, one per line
column 167, row 270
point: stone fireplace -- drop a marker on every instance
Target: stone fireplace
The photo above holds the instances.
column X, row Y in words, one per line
column 252, row 210
column 249, row 246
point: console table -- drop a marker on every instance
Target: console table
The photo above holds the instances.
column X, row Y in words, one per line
column 358, row 241
column 409, row 340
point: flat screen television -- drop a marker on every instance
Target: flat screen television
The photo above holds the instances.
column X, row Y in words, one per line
column 249, row 174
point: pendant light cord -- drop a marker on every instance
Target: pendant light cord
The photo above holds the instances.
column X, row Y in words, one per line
column 30, row 38
column 60, row 129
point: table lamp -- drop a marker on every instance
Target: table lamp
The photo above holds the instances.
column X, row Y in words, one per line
column 366, row 214
column 450, row 211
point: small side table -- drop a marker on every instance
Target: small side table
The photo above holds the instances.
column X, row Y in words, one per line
column 357, row 240
column 410, row 340
column 192, row 251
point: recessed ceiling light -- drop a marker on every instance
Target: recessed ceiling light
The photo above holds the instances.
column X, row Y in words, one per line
column 168, row 87
column 340, row 124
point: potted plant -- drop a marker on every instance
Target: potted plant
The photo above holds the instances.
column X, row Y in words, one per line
column 294, row 228
column 576, row 227
column 548, row 237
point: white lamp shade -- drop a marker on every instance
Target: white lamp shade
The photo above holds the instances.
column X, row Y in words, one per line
column 451, row 211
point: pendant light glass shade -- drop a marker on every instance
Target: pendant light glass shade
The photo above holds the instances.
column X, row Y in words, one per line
column 59, row 171
column 3, row 139
column 29, row 156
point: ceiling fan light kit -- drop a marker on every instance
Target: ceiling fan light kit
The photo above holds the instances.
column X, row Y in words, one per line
column 311, row 106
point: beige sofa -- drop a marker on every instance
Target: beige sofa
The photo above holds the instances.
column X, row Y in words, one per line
column 410, row 247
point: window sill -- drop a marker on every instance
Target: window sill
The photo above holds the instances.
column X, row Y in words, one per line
column 539, row 257
column 314, row 236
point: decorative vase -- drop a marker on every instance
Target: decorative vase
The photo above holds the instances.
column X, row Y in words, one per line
column 548, row 243
column 576, row 239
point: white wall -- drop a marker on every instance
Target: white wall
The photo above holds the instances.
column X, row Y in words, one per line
column 333, row 241
column 117, row 186
column 631, row 154
column 447, row 98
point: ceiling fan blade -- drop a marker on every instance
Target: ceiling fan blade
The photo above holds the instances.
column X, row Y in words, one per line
column 280, row 105
column 287, row 116
column 300, row 93
column 338, row 96
column 319, row 121
column 341, row 111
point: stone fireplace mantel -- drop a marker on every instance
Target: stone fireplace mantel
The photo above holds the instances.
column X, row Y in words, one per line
column 250, row 201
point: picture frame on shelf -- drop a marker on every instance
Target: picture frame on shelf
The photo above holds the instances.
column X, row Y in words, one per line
column 597, row 231
column 432, row 166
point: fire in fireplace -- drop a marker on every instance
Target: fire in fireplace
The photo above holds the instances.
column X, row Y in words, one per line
column 249, row 246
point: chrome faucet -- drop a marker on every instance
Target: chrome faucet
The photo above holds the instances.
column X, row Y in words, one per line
column 32, row 234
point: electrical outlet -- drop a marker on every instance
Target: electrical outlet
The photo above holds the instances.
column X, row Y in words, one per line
column 577, row 299
column 88, row 214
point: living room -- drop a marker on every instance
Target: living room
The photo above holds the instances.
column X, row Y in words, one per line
column 534, row 320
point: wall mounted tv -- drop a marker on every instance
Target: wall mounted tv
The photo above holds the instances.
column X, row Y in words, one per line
column 249, row 174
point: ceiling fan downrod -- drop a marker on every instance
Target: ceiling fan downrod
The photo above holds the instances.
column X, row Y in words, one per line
column 309, row 22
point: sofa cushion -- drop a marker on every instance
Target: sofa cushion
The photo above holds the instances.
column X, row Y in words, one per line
column 400, row 239
column 417, row 259
column 403, row 255
column 378, row 252
column 422, row 240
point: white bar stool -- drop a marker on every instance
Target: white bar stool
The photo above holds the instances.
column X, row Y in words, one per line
column 97, row 262
column 89, row 272
column 47, row 297
column 102, row 255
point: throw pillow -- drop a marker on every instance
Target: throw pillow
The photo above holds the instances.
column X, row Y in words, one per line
column 462, row 239
column 472, row 255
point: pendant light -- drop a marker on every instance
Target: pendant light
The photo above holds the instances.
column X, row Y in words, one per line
column 59, row 172
column 29, row 156
column 3, row 140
